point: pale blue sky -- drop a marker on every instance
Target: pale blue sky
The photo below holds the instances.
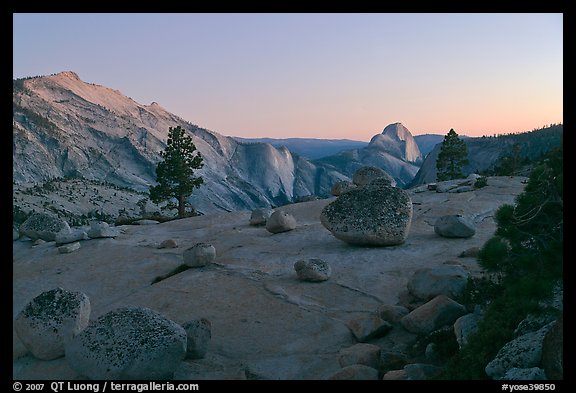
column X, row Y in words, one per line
column 314, row 75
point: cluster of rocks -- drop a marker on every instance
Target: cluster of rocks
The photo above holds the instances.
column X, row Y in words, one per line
column 453, row 186
column 43, row 227
column 125, row 343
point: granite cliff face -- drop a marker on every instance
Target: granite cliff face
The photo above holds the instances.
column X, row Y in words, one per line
column 63, row 127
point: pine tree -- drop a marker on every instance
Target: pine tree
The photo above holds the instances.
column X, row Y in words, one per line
column 175, row 173
column 452, row 157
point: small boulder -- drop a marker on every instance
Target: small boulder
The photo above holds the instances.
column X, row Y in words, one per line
column 454, row 226
column 199, row 255
column 355, row 372
column 390, row 313
column 99, row 229
column 128, row 343
column 367, row 327
column 429, row 282
column 43, row 226
column 168, row 243
column 260, row 216
column 433, row 315
column 50, row 319
column 280, row 221
column 464, row 327
column 198, row 333
column 524, row 374
column 70, row 236
column 313, row 269
column 361, row 353
column 68, row 248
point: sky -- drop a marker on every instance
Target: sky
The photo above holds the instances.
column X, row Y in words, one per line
column 317, row 75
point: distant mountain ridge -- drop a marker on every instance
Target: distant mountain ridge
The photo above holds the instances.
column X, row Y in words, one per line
column 310, row 148
column 64, row 127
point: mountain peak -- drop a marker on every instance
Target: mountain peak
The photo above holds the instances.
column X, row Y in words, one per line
column 68, row 74
column 398, row 141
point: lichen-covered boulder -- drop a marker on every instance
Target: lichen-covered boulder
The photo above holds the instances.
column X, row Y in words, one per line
column 43, row 226
column 128, row 343
column 51, row 318
column 375, row 215
column 313, row 269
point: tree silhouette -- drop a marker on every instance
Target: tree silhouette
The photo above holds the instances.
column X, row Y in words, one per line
column 175, row 173
column 452, row 157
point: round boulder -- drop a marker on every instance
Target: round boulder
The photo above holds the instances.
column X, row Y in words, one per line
column 280, row 221
column 128, row 343
column 313, row 269
column 199, row 255
column 376, row 215
column 366, row 174
column 51, row 318
column 454, row 226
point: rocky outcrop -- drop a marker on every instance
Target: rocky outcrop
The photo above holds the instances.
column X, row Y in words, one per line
column 199, row 255
column 50, row 319
column 43, row 226
column 375, row 215
column 313, row 269
column 454, row 226
column 128, row 343
column 522, row 352
column 280, row 221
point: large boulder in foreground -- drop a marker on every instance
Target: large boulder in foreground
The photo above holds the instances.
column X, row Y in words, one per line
column 43, row 226
column 51, row 318
column 128, row 343
column 375, row 215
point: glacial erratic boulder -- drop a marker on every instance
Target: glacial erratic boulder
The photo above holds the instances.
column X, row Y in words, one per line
column 312, row 269
column 51, row 318
column 376, row 215
column 455, row 226
column 43, row 226
column 199, row 255
column 128, row 343
column 280, row 221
